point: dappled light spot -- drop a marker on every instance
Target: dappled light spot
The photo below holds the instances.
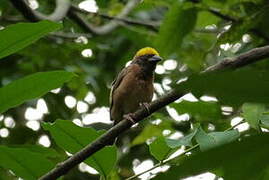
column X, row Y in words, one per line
column 33, row 4
column 166, row 132
column 176, row 135
column 189, row 97
column 170, row 64
column 165, row 83
column 174, row 114
column 226, row 46
column 89, row 5
column 177, row 153
column 83, row 167
column 90, row 98
column 160, row 69
column 209, row 98
column 142, row 166
column 44, row 141
column 42, row 106
column 241, row 127
column 246, row 38
column 98, row 115
column 226, row 110
column 77, row 122
column 158, row 88
column 4, row 132
column 32, row 114
column 236, row 47
column 211, row 27
column 56, row 91
column 211, row 127
column 86, row 53
column 34, row 125
column 70, row 101
column 82, row 107
column 204, row 176
column 9, row 122
column 82, row 40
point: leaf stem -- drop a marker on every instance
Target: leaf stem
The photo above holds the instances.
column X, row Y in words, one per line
column 161, row 163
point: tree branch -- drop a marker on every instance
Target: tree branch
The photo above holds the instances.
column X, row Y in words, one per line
column 60, row 11
column 183, row 153
column 61, row 169
column 107, row 28
column 226, row 17
column 150, row 25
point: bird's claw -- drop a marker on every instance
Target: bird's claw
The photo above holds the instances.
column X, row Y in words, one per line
column 145, row 105
column 129, row 117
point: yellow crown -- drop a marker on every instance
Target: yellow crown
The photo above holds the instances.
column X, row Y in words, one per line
column 146, row 50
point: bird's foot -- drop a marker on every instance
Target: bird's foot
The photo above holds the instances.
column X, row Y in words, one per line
column 129, row 117
column 145, row 105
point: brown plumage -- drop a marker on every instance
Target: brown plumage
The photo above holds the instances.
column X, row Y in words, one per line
column 134, row 84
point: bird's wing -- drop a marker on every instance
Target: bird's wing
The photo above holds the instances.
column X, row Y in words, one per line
column 115, row 85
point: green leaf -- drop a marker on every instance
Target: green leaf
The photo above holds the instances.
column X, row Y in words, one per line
column 24, row 163
column 30, row 87
column 184, row 141
column 46, row 152
column 16, row 37
column 231, row 87
column 252, row 113
column 215, row 139
column 159, row 149
column 178, row 22
column 205, row 18
column 73, row 138
column 152, row 130
column 148, row 132
column 246, row 159
column 265, row 121
column 201, row 111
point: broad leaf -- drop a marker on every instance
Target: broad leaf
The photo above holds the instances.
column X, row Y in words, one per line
column 215, row 139
column 252, row 113
column 231, row 87
column 183, row 141
column 30, row 87
column 24, row 162
column 15, row 37
column 159, row 149
column 246, row 159
column 178, row 22
column 73, row 138
column 201, row 111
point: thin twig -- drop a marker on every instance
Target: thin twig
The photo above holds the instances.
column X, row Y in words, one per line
column 106, row 28
column 183, row 153
column 239, row 61
column 151, row 25
column 60, row 11
column 226, row 17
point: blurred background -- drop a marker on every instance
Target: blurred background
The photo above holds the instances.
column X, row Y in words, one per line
column 98, row 39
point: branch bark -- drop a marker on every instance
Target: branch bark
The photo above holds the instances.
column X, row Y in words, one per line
column 242, row 60
column 60, row 11
column 106, row 28
column 151, row 25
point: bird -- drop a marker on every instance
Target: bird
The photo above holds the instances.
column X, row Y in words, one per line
column 133, row 87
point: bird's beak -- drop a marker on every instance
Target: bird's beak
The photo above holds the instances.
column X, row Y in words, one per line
column 155, row 58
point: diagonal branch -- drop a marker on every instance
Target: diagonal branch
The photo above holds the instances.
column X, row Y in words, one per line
column 60, row 11
column 244, row 59
column 151, row 25
column 106, row 28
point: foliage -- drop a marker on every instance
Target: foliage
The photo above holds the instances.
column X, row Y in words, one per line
column 51, row 71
